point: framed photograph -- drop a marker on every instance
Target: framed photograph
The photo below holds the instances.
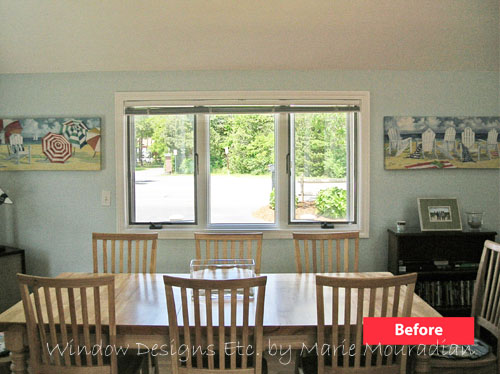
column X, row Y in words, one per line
column 439, row 214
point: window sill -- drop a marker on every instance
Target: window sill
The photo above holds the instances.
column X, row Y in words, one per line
column 188, row 233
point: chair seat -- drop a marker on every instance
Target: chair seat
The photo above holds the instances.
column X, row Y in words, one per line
column 489, row 360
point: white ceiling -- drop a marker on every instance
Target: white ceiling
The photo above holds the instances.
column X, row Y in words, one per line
column 134, row 35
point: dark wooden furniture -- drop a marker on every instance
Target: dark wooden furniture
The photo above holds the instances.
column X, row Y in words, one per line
column 12, row 261
column 446, row 262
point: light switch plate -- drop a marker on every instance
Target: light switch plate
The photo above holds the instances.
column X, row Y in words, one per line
column 105, row 198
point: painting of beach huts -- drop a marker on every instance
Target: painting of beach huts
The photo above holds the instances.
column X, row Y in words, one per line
column 441, row 142
column 50, row 144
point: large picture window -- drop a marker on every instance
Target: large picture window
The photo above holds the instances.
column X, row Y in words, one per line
column 275, row 161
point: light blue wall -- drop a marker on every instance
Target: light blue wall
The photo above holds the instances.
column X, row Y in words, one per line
column 55, row 212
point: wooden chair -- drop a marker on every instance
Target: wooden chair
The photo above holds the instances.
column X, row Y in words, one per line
column 148, row 243
column 373, row 297
column 319, row 263
column 230, row 245
column 205, row 300
column 486, row 310
column 83, row 328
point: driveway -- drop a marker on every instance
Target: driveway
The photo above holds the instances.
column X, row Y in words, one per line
column 161, row 197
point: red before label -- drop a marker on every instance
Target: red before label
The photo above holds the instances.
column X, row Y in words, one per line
column 418, row 330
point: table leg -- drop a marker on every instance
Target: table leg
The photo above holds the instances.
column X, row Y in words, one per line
column 14, row 342
column 423, row 363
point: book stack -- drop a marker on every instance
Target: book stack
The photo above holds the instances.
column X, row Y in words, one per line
column 446, row 293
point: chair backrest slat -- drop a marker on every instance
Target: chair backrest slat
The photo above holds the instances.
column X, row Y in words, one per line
column 246, row 302
column 185, row 322
column 361, row 301
column 219, row 298
column 197, row 323
column 135, row 243
column 74, row 324
column 210, row 328
column 232, row 246
column 222, row 331
column 62, row 324
column 319, row 260
column 485, row 303
column 86, row 325
column 59, row 348
column 40, row 319
column 52, row 324
column 359, row 328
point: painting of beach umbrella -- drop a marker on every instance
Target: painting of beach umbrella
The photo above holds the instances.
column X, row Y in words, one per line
column 76, row 132
column 56, row 148
column 94, row 140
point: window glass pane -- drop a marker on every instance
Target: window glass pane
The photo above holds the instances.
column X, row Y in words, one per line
column 242, row 168
column 319, row 181
column 163, row 185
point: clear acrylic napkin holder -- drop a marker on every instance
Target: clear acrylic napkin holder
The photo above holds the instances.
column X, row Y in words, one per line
column 221, row 269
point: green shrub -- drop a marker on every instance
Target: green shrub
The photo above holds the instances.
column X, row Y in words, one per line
column 272, row 201
column 332, row 202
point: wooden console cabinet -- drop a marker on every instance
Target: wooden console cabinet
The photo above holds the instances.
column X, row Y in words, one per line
column 446, row 263
column 11, row 262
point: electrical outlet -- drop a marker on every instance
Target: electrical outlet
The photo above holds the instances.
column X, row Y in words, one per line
column 105, row 198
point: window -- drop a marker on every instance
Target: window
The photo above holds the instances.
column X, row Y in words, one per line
column 323, row 174
column 241, row 162
column 271, row 161
column 161, row 168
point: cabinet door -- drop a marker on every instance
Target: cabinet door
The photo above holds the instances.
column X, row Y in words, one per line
column 9, row 289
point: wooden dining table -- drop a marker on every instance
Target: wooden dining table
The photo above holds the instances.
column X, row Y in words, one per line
column 141, row 314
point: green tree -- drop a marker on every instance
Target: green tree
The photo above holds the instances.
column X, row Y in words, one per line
column 320, row 145
column 143, row 130
column 169, row 133
column 249, row 139
column 320, row 142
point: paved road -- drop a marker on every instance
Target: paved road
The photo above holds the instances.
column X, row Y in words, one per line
column 162, row 197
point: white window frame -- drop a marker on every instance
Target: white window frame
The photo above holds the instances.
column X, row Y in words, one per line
column 282, row 229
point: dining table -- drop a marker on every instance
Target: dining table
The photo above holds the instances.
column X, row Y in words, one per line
column 141, row 314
